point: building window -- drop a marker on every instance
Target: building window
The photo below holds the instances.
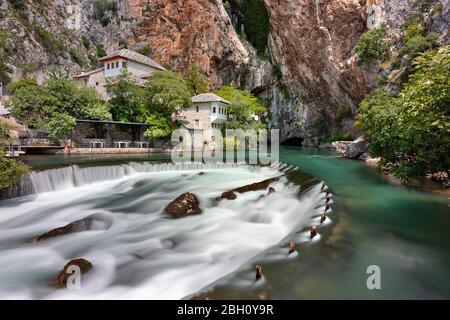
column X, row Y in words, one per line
column 107, row 66
column 214, row 109
column 96, row 84
column 196, row 108
column 117, row 64
column 124, row 64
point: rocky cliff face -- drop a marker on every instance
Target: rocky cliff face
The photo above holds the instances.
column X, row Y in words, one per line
column 310, row 42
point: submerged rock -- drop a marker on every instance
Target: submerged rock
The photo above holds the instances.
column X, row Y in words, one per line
column 262, row 185
column 76, row 226
column 185, row 205
column 272, row 190
column 60, row 280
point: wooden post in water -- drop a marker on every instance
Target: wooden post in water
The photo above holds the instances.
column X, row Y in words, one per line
column 291, row 246
column 258, row 272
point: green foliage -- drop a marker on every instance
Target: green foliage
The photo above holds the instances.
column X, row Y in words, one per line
column 20, row 6
column 373, row 46
column 60, row 125
column 127, row 101
column 196, row 80
column 30, row 67
column 255, row 21
column 166, row 92
column 103, row 10
column 161, row 127
column 339, row 137
column 55, row 105
column 416, row 40
column 5, row 69
column 85, row 42
column 101, row 52
column 411, row 132
column 75, row 57
column 11, row 171
column 343, row 113
column 276, row 72
column 243, row 106
column 48, row 40
column 14, row 87
column 145, row 50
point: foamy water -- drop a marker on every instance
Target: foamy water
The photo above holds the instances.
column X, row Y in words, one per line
column 136, row 251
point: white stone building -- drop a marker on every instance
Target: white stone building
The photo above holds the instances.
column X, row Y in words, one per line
column 208, row 111
column 139, row 66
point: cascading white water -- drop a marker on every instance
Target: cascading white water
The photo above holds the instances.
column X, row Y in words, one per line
column 138, row 253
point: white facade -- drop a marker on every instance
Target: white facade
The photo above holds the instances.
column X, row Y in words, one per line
column 139, row 67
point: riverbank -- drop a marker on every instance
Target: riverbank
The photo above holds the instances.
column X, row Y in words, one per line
column 357, row 151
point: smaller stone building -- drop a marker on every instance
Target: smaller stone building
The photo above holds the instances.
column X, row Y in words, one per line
column 208, row 111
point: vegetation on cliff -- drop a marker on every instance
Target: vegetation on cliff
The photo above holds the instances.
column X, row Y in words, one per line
column 243, row 108
column 411, row 131
column 255, row 20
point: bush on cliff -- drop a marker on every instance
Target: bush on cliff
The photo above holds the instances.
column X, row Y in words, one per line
column 411, row 132
column 373, row 46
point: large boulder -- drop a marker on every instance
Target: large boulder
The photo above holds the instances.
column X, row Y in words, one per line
column 60, row 280
column 340, row 146
column 186, row 204
column 262, row 185
column 356, row 148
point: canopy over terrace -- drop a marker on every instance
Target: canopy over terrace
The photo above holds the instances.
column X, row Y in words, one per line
column 109, row 133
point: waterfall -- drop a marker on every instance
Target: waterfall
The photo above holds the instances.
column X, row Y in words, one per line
column 74, row 176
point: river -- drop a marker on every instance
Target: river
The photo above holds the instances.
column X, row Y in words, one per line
column 402, row 231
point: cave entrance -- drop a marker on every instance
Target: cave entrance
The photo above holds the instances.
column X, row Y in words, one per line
column 294, row 141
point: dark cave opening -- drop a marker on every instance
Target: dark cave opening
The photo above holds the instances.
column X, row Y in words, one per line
column 294, row 141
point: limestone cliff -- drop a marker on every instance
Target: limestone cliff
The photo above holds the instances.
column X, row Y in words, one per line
column 314, row 91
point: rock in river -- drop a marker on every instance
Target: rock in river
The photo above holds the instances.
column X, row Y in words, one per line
column 60, row 280
column 186, row 204
column 76, row 226
column 262, row 185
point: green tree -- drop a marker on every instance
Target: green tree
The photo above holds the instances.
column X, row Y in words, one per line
column 411, row 132
column 166, row 92
column 373, row 46
column 59, row 98
column 196, row 80
column 11, row 171
column 243, row 106
column 127, row 101
column 60, row 125
column 161, row 127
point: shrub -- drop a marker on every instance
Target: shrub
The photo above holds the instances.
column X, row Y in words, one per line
column 415, row 39
column 103, row 9
column 410, row 132
column 48, row 40
column 85, row 42
column 101, row 52
column 373, row 46
column 75, row 57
